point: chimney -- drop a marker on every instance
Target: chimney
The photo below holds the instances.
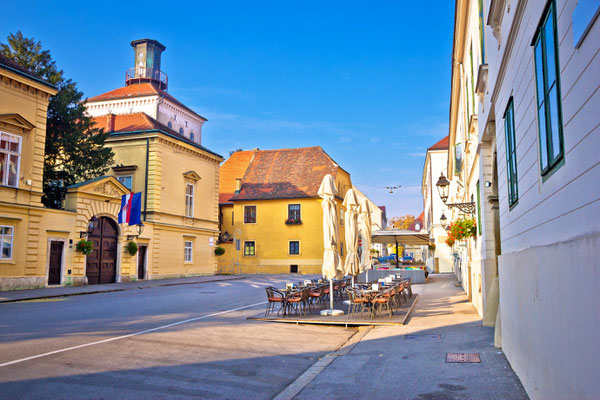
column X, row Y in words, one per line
column 238, row 185
column 110, row 122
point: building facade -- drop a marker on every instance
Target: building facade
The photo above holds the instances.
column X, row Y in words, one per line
column 157, row 145
column 271, row 215
column 540, row 108
column 439, row 257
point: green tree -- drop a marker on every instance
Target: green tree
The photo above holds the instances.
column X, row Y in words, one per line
column 75, row 149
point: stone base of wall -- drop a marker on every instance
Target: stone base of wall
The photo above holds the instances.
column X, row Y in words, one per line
column 34, row 282
column 550, row 322
column 170, row 276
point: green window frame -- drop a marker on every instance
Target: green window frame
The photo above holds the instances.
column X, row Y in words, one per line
column 472, row 85
column 481, row 31
column 549, row 107
column 478, row 208
column 511, row 154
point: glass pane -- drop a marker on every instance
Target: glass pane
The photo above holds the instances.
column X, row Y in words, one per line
column 550, row 55
column 12, row 170
column 4, row 142
column 6, row 248
column 7, row 230
column 554, row 124
column 539, row 72
column 543, row 144
column 13, row 144
column 3, row 163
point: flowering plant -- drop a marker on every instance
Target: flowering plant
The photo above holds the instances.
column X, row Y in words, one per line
column 461, row 229
column 292, row 221
column 84, row 246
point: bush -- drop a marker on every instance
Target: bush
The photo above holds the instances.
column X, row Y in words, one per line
column 461, row 229
column 131, row 248
column 85, row 246
column 219, row 251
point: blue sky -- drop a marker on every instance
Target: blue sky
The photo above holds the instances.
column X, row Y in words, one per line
column 368, row 81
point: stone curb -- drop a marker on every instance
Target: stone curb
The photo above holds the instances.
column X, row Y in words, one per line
column 52, row 296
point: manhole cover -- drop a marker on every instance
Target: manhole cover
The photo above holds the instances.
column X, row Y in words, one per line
column 463, row 358
column 421, row 337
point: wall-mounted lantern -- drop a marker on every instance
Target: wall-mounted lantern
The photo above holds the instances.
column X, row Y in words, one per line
column 90, row 228
column 443, row 184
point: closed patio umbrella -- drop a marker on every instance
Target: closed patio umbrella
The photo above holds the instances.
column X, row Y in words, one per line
column 331, row 258
column 352, row 263
column 364, row 228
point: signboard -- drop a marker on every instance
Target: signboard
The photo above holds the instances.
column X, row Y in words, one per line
column 237, row 245
column 211, row 241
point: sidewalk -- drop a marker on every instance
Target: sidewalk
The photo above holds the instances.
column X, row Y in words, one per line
column 61, row 291
column 388, row 364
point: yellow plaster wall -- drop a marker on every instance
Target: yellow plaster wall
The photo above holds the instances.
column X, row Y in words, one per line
column 272, row 235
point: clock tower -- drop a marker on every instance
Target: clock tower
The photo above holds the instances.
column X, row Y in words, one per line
column 147, row 64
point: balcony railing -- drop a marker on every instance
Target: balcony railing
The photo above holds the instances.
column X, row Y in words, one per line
column 143, row 74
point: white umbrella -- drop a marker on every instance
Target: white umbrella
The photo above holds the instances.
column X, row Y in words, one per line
column 364, row 227
column 402, row 236
column 352, row 264
column 331, row 258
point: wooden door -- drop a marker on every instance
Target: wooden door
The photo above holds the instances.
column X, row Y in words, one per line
column 141, row 262
column 55, row 267
column 101, row 264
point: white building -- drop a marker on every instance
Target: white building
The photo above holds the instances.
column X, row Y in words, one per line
column 439, row 259
column 541, row 110
column 146, row 91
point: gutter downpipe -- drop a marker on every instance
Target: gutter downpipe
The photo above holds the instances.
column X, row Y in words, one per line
column 146, row 178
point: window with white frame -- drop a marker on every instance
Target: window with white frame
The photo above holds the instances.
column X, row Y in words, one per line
column 10, row 155
column 188, row 250
column 189, row 200
column 126, row 180
column 6, row 242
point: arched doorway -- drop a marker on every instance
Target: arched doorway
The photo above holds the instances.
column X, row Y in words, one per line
column 101, row 263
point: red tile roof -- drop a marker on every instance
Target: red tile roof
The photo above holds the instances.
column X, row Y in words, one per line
column 139, row 90
column 280, row 174
column 441, row 145
column 140, row 122
column 418, row 220
column 224, row 198
column 233, row 168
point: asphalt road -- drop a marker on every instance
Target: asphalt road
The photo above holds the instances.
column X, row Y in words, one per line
column 163, row 342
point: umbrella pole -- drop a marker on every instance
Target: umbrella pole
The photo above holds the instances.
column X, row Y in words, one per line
column 397, row 255
column 331, row 293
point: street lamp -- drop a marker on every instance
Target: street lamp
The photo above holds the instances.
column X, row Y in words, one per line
column 444, row 221
column 90, row 228
column 140, row 229
column 443, row 184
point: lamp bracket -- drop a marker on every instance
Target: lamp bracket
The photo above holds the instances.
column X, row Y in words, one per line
column 131, row 237
column 467, row 208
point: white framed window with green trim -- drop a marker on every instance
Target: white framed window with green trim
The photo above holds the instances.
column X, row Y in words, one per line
column 547, row 79
column 511, row 154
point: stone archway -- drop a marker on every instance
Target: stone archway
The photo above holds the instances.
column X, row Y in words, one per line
column 101, row 263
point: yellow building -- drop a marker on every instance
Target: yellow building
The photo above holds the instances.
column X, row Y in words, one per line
column 164, row 160
column 271, row 218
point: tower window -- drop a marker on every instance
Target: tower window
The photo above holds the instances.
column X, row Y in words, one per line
column 192, row 136
column 170, row 125
column 181, row 131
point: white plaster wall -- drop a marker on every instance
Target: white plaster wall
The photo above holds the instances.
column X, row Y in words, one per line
column 549, row 269
column 146, row 104
column 549, row 301
column 180, row 118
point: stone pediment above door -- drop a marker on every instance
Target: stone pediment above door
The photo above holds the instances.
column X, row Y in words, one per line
column 15, row 122
column 104, row 186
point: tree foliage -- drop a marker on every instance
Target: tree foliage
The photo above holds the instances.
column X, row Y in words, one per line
column 74, row 148
column 401, row 222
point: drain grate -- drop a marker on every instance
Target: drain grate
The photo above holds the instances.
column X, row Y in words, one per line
column 463, row 358
column 421, row 337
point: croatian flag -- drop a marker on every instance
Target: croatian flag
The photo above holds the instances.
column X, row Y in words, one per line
column 131, row 209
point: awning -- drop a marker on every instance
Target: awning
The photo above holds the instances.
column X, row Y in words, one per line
column 400, row 236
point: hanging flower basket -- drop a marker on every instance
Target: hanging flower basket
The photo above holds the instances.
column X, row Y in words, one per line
column 219, row 251
column 460, row 230
column 84, row 246
column 131, row 248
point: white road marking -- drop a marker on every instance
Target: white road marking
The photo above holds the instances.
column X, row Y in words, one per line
column 128, row 335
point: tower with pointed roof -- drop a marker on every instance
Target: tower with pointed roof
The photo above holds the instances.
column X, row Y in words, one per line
column 145, row 91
